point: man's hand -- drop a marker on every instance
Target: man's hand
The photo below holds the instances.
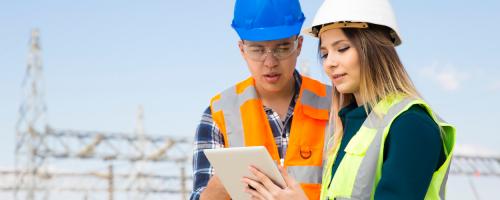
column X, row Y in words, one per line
column 262, row 188
column 214, row 190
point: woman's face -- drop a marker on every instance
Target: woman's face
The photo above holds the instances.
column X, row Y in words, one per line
column 340, row 61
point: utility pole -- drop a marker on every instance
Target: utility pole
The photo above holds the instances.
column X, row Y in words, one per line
column 110, row 182
column 183, row 183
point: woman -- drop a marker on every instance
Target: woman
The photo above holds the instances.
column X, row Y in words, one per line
column 387, row 142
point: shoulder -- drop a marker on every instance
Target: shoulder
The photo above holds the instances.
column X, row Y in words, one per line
column 206, row 117
column 316, row 87
column 309, row 81
column 232, row 89
column 206, row 125
column 415, row 117
column 415, row 126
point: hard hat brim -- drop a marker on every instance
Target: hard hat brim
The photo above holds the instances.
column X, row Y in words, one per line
column 269, row 33
column 394, row 35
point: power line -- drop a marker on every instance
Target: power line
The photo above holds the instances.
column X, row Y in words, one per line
column 41, row 151
column 475, row 165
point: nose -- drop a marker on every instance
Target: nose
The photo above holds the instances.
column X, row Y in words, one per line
column 270, row 60
column 330, row 62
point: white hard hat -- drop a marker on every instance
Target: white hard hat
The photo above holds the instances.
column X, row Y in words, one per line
column 354, row 13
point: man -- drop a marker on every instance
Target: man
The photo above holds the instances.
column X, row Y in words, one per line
column 276, row 107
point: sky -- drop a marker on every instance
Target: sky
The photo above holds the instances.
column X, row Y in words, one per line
column 103, row 59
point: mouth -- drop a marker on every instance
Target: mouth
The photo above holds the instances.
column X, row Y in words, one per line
column 272, row 77
column 338, row 76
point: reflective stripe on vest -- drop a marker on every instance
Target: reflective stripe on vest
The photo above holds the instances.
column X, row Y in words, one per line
column 371, row 137
column 315, row 101
column 306, row 174
column 230, row 103
column 363, row 184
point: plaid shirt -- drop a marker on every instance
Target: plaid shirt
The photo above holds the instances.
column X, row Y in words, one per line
column 208, row 136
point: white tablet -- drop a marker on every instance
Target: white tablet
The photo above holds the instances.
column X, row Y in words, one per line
column 231, row 164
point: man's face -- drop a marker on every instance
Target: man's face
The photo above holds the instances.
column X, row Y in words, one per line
column 272, row 63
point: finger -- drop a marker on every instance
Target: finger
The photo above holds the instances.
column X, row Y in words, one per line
column 261, row 177
column 289, row 181
column 253, row 193
column 256, row 198
column 258, row 187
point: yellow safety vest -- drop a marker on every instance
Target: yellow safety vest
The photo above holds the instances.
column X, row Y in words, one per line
column 360, row 170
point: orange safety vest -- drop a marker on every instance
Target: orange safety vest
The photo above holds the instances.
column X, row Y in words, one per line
column 239, row 114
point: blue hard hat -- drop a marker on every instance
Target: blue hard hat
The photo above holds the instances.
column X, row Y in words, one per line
column 263, row 20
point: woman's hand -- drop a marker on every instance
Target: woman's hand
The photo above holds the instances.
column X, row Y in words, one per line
column 265, row 189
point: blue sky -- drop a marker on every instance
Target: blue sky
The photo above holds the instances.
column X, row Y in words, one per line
column 104, row 59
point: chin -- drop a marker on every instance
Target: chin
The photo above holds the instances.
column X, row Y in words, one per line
column 344, row 90
column 275, row 87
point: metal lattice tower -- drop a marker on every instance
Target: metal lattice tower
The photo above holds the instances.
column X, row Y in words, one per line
column 89, row 164
column 32, row 122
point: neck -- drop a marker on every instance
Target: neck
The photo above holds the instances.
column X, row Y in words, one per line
column 278, row 101
column 272, row 96
column 359, row 100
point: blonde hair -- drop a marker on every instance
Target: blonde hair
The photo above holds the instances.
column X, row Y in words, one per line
column 382, row 73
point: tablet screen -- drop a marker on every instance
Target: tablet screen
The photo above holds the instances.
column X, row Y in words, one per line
column 231, row 164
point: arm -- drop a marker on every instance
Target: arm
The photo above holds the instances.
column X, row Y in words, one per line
column 214, row 190
column 208, row 136
column 411, row 155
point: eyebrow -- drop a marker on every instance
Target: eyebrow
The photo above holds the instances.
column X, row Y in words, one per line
column 282, row 43
column 254, row 45
column 334, row 44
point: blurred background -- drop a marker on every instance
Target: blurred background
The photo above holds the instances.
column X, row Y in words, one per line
column 101, row 99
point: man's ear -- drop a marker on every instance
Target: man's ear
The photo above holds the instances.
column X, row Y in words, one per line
column 299, row 45
column 240, row 45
